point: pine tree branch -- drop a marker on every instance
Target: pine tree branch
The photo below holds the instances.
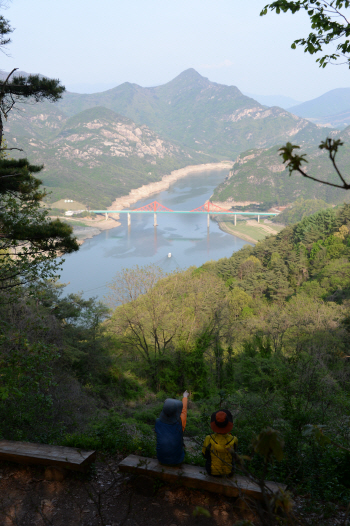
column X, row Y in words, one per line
column 11, row 175
column 7, row 79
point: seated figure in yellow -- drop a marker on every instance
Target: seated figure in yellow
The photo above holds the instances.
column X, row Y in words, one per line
column 219, row 446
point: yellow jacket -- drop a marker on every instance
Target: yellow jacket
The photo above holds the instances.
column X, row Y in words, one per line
column 216, row 450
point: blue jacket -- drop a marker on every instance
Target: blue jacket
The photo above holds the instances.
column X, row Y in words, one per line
column 169, row 442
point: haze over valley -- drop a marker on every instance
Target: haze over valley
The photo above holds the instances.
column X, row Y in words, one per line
column 98, row 147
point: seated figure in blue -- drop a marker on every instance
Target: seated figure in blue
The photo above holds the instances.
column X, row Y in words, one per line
column 169, row 430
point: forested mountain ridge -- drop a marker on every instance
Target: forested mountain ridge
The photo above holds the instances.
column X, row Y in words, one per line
column 300, row 209
column 95, row 155
column 311, row 257
column 260, row 176
column 204, row 121
column 200, row 114
column 275, row 100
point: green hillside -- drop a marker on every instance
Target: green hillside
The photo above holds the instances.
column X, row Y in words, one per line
column 275, row 100
column 263, row 333
column 189, row 120
column 299, row 210
column 96, row 155
column 199, row 114
column 260, row 176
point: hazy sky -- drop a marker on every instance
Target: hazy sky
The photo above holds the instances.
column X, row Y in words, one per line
column 94, row 45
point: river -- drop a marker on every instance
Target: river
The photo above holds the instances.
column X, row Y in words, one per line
column 185, row 236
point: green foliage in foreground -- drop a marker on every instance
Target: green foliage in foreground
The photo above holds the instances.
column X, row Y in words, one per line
column 300, row 209
column 326, row 28
column 30, row 241
column 264, row 333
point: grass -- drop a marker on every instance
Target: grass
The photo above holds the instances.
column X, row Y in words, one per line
column 256, row 233
column 76, row 223
column 76, row 205
column 277, row 228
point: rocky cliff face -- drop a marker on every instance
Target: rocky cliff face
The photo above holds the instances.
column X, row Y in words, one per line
column 99, row 133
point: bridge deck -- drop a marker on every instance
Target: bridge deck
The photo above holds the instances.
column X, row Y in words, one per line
column 182, row 212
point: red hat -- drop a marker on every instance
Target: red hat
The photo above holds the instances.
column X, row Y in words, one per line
column 221, row 421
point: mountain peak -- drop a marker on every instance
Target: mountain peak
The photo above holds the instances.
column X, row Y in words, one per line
column 188, row 79
column 190, row 74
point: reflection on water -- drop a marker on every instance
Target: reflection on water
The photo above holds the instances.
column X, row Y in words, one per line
column 186, row 236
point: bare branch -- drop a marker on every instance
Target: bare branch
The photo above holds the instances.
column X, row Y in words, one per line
column 344, row 186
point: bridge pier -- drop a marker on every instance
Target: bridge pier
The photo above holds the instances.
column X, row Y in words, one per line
column 208, row 222
column 155, row 220
column 106, row 216
column 258, row 218
column 129, row 219
column 235, row 219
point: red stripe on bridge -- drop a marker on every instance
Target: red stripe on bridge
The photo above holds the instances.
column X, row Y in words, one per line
column 210, row 207
column 154, row 206
column 207, row 207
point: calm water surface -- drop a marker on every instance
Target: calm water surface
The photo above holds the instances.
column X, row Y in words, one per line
column 185, row 236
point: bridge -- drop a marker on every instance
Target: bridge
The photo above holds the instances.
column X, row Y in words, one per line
column 208, row 208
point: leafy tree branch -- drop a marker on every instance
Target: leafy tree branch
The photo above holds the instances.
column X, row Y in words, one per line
column 295, row 162
column 328, row 22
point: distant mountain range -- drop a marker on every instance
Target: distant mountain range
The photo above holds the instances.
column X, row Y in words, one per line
column 202, row 115
column 100, row 146
column 274, row 100
column 330, row 109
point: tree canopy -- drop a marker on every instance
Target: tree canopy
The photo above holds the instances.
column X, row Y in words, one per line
column 5, row 30
column 18, row 89
column 329, row 25
column 29, row 241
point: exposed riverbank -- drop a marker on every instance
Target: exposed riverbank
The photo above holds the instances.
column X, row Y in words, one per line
column 154, row 188
column 96, row 225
